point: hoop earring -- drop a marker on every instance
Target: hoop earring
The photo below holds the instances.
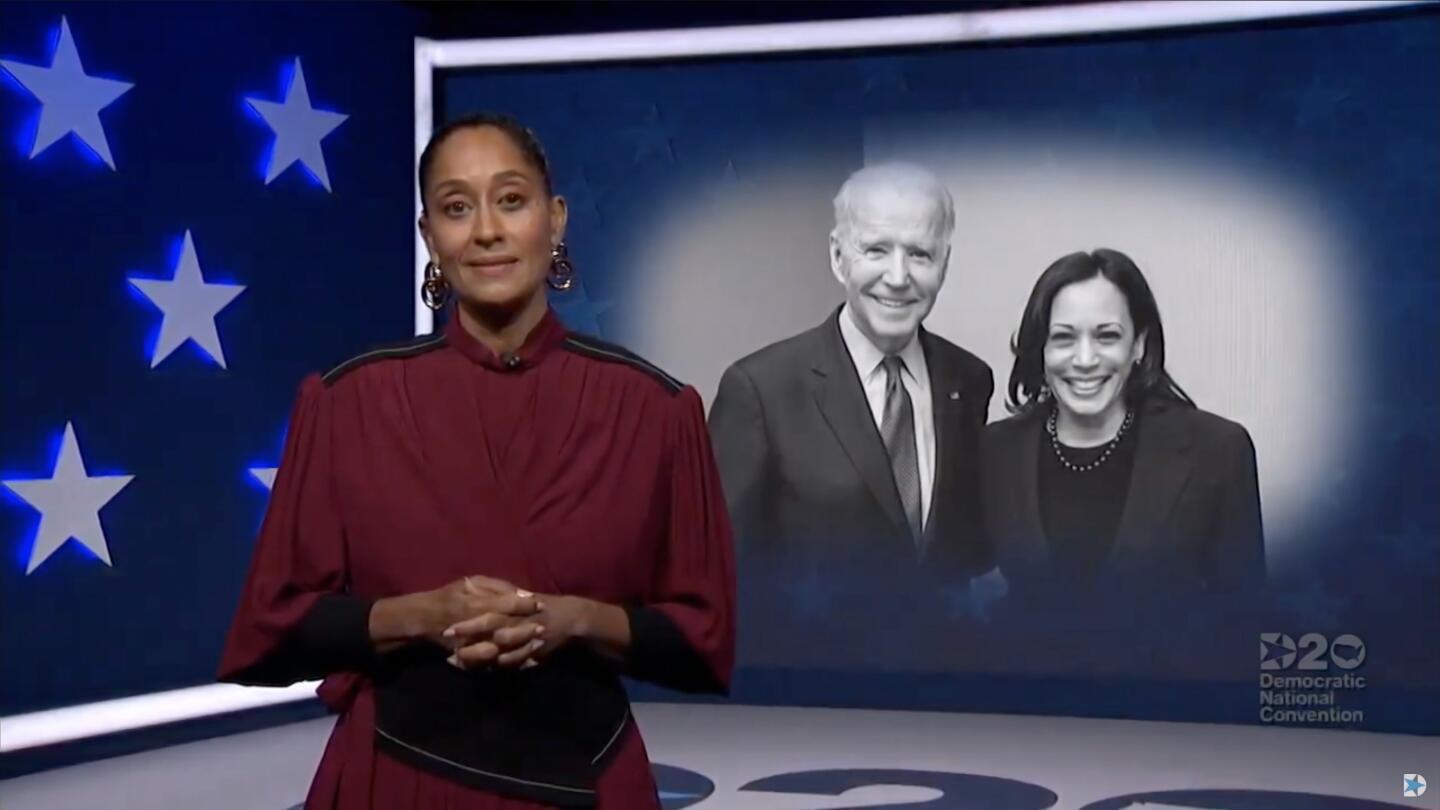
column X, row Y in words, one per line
column 562, row 271
column 434, row 291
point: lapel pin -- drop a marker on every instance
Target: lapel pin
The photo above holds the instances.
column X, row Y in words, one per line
column 954, row 394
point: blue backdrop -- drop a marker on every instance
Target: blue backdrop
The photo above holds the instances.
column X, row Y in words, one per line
column 325, row 273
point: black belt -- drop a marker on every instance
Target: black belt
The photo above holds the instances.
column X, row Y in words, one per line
column 544, row 734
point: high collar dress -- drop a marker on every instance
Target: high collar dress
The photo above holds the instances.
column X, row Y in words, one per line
column 570, row 466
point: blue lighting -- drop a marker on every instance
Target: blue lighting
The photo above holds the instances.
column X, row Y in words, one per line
column 172, row 260
column 26, row 547
column 31, row 526
column 152, row 338
column 50, row 456
column 258, row 469
column 23, row 136
column 246, row 103
column 29, row 129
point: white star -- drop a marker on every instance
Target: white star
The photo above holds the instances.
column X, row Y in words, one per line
column 69, row 502
column 265, row 475
column 190, row 306
column 298, row 129
column 70, row 100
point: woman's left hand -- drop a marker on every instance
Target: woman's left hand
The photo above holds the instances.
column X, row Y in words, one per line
column 564, row 619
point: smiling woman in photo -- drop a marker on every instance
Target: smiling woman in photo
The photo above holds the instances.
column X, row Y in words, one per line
column 1108, row 481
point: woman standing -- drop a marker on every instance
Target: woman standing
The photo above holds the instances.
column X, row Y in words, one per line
column 474, row 534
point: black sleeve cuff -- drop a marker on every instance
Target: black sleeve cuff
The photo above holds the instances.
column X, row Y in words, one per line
column 660, row 653
column 335, row 635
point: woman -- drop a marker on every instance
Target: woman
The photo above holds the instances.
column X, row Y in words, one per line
column 474, row 534
column 1108, row 479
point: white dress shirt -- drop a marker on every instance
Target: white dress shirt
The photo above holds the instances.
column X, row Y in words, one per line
column 915, row 378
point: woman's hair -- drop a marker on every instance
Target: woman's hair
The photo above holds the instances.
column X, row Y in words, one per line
column 519, row 134
column 1027, row 377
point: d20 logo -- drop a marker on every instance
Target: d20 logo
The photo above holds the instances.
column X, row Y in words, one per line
column 1280, row 651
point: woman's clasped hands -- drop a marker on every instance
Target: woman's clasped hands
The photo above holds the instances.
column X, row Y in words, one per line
column 492, row 623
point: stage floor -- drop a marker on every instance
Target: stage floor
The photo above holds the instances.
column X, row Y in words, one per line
column 714, row 758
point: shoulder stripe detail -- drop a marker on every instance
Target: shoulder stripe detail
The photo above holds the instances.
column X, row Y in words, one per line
column 599, row 349
column 407, row 348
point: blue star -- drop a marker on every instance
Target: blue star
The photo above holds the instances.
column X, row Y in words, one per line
column 578, row 311
column 298, row 128
column 652, row 138
column 71, row 99
column 1414, row 784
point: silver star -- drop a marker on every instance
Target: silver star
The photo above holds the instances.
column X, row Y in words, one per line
column 190, row 306
column 71, row 100
column 298, row 128
column 69, row 502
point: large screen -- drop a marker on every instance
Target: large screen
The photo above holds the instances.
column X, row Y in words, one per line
column 1261, row 548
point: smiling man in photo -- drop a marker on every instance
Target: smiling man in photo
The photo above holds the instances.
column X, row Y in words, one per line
column 852, row 446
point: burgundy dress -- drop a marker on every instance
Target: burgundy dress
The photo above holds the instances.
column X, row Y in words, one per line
column 569, row 467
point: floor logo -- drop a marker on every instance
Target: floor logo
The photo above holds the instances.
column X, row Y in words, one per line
column 680, row 787
column 1238, row 800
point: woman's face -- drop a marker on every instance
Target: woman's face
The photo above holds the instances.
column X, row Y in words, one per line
column 489, row 221
column 1091, row 348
